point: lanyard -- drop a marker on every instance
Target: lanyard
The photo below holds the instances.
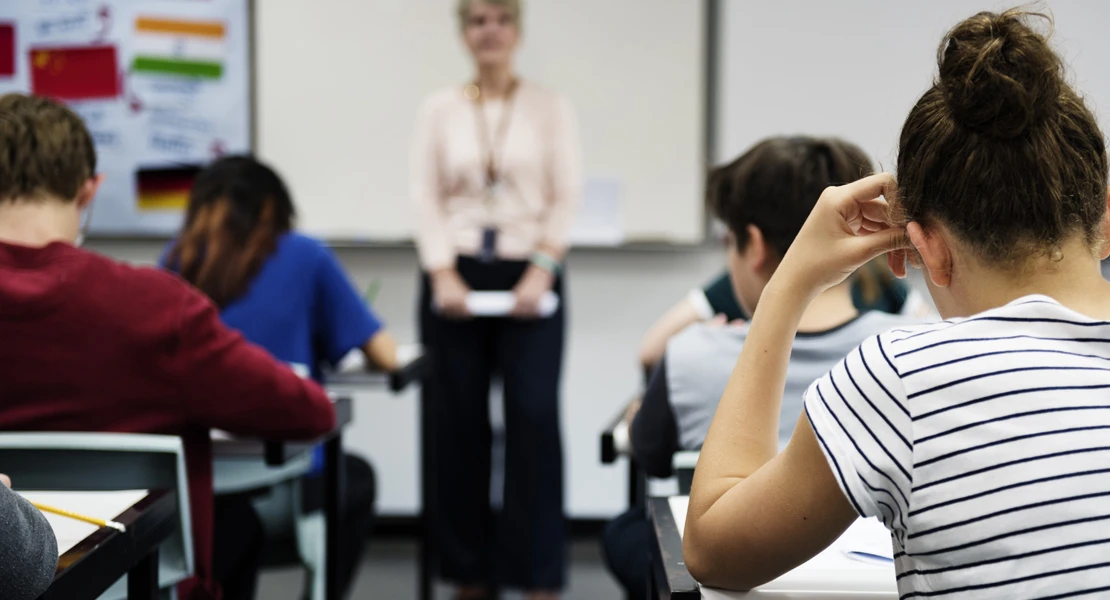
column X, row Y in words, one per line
column 491, row 147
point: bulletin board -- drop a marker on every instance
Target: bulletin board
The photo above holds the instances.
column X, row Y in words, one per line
column 163, row 86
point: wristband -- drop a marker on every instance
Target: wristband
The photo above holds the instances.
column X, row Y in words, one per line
column 546, row 262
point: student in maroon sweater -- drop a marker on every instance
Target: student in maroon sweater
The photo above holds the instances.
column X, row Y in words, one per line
column 89, row 344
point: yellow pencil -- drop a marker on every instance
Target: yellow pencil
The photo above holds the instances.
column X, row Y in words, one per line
column 77, row 516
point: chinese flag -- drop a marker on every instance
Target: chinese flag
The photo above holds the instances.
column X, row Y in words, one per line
column 75, row 73
column 7, row 50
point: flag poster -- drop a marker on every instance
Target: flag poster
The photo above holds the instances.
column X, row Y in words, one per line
column 162, row 85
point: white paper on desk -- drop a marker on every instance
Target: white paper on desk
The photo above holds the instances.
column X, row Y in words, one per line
column 500, row 304
column 867, row 540
column 101, row 505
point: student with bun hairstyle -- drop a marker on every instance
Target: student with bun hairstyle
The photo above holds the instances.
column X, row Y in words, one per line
column 980, row 442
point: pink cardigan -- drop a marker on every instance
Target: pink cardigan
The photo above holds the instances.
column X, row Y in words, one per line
column 539, row 161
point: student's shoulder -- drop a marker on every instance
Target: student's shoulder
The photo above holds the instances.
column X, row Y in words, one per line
column 307, row 255
column 700, row 341
column 139, row 288
column 1029, row 309
column 303, row 245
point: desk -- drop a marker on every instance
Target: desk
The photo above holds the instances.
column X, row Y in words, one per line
column 93, row 564
column 831, row 575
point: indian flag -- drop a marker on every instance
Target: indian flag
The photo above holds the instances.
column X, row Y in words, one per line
column 179, row 48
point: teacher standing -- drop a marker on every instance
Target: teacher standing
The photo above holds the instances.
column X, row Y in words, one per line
column 496, row 181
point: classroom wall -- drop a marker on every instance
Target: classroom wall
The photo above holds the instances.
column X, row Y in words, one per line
column 614, row 297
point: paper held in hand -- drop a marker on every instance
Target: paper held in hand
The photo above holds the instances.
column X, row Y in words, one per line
column 500, row 304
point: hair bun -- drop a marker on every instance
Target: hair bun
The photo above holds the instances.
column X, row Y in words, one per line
column 998, row 74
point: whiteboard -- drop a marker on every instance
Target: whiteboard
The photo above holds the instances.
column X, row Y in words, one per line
column 855, row 68
column 339, row 84
column 162, row 85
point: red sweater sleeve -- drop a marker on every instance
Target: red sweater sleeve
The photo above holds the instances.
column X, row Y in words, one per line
column 227, row 383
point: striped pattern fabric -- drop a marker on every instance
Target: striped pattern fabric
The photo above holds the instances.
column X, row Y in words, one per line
column 983, row 444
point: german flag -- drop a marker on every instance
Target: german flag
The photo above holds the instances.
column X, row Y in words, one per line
column 166, row 189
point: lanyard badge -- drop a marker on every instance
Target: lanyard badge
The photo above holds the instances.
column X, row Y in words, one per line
column 494, row 180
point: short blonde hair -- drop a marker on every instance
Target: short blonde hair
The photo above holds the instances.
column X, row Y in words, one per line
column 513, row 7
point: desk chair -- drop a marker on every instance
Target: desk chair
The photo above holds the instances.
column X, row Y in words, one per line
column 615, row 442
column 683, row 464
column 108, row 462
column 279, row 508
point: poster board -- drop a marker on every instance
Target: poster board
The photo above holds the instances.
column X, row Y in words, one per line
column 163, row 86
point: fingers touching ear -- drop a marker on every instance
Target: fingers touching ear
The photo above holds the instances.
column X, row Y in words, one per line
column 896, row 260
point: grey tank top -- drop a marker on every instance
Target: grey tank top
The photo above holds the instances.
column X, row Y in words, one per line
column 701, row 357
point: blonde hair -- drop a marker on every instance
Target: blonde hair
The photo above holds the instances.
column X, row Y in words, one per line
column 513, row 7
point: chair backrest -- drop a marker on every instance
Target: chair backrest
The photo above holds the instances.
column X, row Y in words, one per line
column 683, row 464
column 66, row 461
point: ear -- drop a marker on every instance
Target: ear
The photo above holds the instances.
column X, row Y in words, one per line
column 936, row 256
column 1105, row 250
column 87, row 191
column 756, row 252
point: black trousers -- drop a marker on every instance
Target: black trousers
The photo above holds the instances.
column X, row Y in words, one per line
column 239, row 540
column 524, row 546
column 626, row 544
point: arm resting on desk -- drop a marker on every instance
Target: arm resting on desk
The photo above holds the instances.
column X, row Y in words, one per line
column 28, row 549
column 381, row 352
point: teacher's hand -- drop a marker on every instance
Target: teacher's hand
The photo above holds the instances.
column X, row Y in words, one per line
column 529, row 290
column 449, row 293
column 849, row 225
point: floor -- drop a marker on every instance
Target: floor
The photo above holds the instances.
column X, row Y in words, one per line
column 389, row 573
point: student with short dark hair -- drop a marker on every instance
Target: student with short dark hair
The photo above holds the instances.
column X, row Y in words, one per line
column 980, row 441
column 90, row 344
column 764, row 197
column 287, row 293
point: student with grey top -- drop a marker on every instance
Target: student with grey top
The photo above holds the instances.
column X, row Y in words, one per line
column 764, row 197
column 28, row 548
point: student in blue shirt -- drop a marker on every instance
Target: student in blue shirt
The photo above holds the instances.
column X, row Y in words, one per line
column 287, row 293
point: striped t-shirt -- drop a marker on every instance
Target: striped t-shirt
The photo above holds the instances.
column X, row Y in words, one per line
column 983, row 444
